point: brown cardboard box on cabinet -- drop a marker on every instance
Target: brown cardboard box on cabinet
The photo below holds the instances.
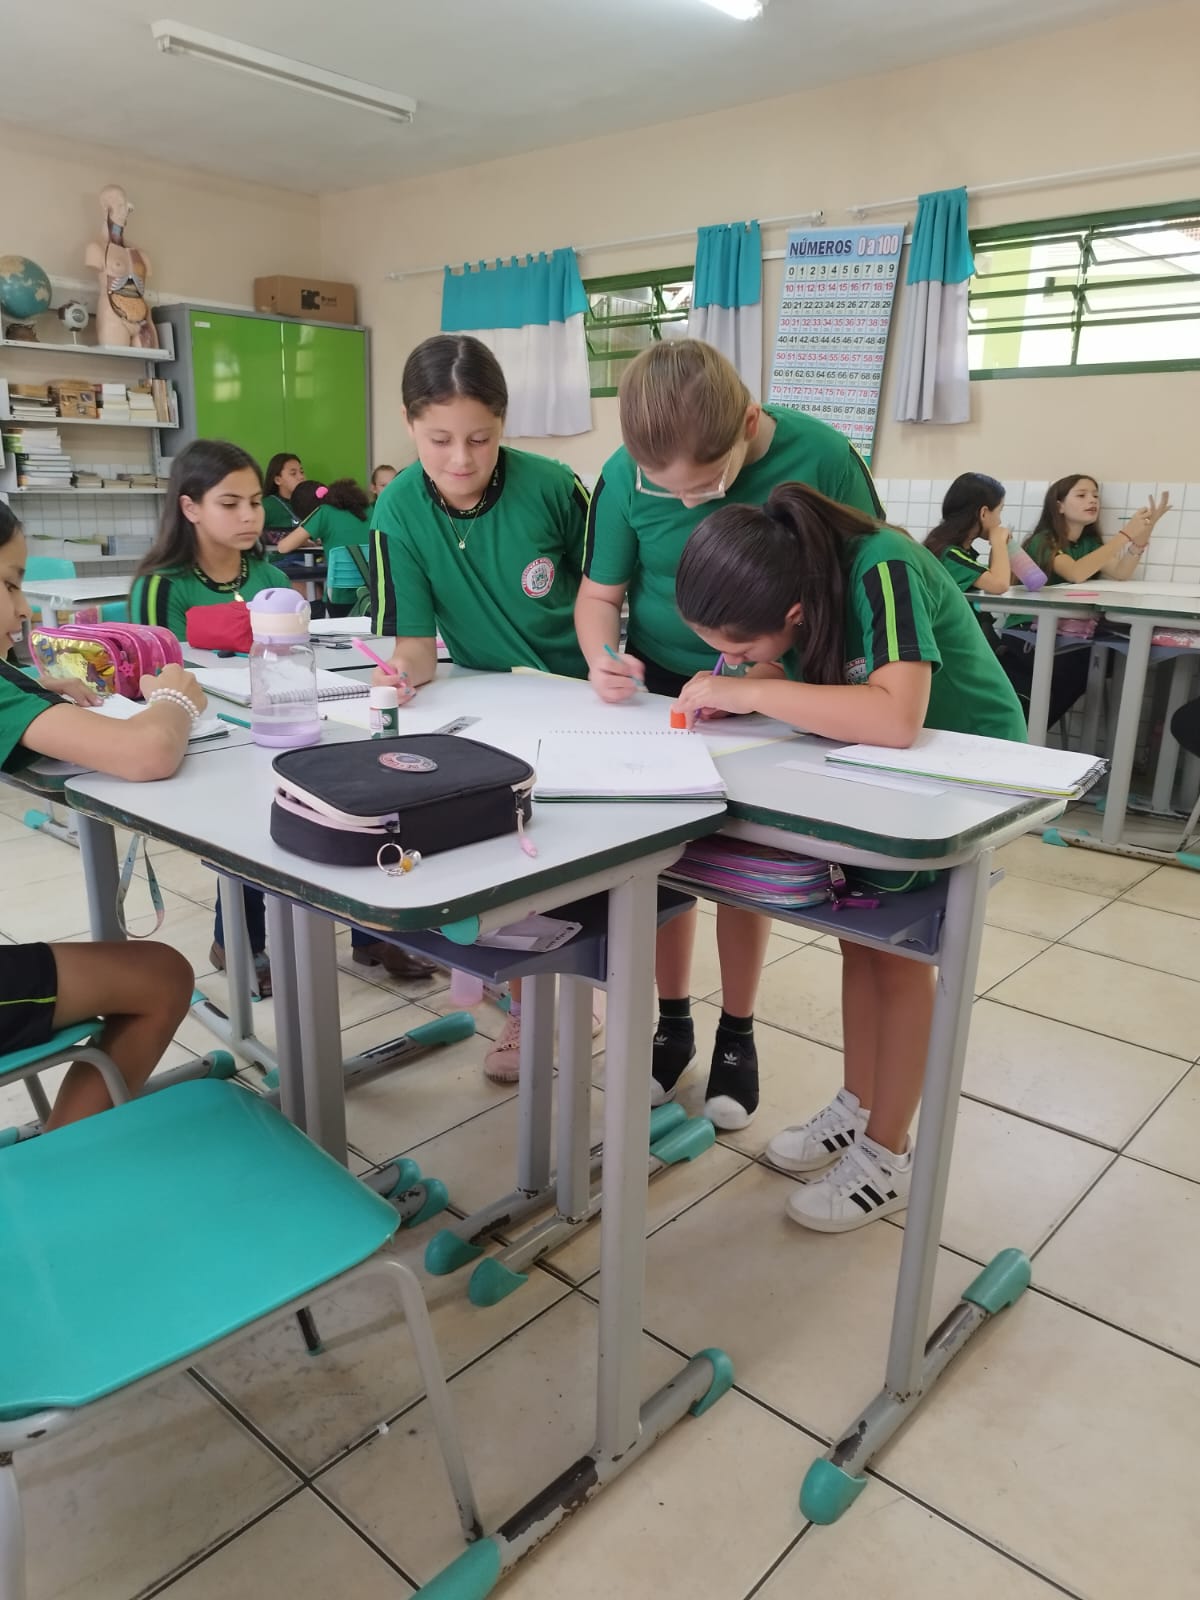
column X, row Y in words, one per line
column 315, row 299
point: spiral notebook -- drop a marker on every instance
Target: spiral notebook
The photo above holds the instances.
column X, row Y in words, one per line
column 625, row 765
column 981, row 763
column 233, row 683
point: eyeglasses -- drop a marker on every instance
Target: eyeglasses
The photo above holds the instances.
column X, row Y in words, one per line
column 699, row 497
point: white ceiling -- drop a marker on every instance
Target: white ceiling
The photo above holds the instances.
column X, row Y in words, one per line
column 491, row 77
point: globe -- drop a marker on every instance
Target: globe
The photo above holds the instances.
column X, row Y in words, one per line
column 24, row 288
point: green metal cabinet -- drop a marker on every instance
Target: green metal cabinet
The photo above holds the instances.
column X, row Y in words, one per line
column 271, row 384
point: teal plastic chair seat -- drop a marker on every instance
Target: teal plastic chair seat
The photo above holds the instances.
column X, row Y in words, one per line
column 124, row 1244
column 64, row 1039
column 41, row 567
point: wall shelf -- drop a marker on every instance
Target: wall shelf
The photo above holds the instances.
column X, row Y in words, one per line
column 81, row 422
column 119, row 351
column 93, row 494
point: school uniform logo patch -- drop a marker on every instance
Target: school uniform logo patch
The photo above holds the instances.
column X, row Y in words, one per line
column 856, row 671
column 538, row 578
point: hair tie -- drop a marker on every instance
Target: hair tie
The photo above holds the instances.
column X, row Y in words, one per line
column 322, row 492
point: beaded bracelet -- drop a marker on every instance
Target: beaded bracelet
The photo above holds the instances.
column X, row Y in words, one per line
column 176, row 697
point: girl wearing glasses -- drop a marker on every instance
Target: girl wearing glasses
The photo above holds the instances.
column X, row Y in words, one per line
column 693, row 435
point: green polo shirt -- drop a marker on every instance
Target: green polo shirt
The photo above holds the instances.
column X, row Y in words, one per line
column 165, row 598
column 962, row 567
column 497, row 583
column 278, row 516
column 637, row 539
column 330, row 526
column 903, row 605
column 22, row 701
column 1038, row 547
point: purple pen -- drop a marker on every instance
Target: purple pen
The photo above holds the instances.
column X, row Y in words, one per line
column 720, row 667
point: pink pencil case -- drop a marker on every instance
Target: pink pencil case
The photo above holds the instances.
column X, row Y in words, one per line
column 110, row 657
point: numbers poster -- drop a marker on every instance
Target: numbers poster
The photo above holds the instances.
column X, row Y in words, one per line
column 839, row 285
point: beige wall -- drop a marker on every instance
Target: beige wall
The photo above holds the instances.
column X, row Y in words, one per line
column 207, row 237
column 1113, row 92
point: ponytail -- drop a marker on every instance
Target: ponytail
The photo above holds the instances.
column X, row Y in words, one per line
column 744, row 568
column 965, row 498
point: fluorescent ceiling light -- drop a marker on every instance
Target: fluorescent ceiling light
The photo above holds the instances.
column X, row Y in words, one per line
column 175, row 38
column 743, row 10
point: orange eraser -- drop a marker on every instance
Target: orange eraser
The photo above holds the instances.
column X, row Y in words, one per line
column 679, row 719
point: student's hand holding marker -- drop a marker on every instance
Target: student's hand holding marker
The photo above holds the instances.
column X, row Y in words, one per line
column 389, row 674
column 707, row 694
column 616, row 677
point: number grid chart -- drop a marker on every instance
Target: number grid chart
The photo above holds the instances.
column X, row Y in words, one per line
column 839, row 286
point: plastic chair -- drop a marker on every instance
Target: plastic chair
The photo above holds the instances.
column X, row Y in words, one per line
column 348, row 576
column 40, row 567
column 126, row 1252
column 74, row 1044
column 115, row 611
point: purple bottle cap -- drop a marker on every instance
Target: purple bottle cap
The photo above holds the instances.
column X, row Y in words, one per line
column 278, row 615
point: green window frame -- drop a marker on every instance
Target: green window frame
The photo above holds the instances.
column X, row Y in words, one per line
column 1057, row 289
column 628, row 312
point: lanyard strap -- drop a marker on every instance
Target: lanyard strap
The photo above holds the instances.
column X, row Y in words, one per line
column 139, row 842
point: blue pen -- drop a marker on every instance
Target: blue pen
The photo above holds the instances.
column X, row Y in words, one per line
column 609, row 651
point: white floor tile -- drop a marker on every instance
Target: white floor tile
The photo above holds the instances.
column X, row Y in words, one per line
column 301, row 1551
column 1069, row 1444
column 1145, row 937
column 1069, row 1078
column 120, row 1501
column 1086, row 870
column 1169, row 889
column 1045, row 910
column 1171, row 1138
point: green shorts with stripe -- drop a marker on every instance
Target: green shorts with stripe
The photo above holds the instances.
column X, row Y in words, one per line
column 28, row 991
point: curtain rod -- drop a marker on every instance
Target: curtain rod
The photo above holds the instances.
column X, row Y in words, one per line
column 1050, row 180
column 813, row 218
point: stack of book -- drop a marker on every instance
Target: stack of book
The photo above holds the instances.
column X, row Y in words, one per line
column 137, row 480
column 30, row 402
column 114, row 403
column 163, row 394
column 41, row 461
column 141, row 404
column 88, row 480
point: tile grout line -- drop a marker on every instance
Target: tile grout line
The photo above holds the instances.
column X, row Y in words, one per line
column 162, row 1585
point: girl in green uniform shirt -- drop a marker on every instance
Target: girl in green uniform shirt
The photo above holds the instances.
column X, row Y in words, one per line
column 851, row 631
column 1067, row 543
column 209, row 552
column 693, row 435
column 44, row 987
column 479, row 543
column 284, row 472
column 973, row 509
column 337, row 515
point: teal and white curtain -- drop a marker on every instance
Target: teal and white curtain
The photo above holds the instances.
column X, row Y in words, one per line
column 727, row 296
column 933, row 384
column 530, row 315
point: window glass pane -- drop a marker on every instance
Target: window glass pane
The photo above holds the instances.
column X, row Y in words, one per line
column 624, row 316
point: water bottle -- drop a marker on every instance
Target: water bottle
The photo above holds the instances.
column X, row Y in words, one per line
column 1024, row 568
column 283, row 672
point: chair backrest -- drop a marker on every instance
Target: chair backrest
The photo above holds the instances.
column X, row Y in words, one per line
column 49, row 567
column 347, row 571
column 115, row 611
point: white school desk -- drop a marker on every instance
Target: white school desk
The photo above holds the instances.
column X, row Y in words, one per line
column 582, row 849
column 60, row 596
column 330, row 656
column 1142, row 610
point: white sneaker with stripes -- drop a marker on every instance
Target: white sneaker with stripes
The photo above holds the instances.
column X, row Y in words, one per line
column 868, row 1182
column 820, row 1140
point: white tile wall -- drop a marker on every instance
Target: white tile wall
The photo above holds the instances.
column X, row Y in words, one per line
column 915, row 503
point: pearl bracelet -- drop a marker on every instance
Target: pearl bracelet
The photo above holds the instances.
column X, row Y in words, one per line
column 175, row 697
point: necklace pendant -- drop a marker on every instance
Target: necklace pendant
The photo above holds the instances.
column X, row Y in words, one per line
column 462, row 544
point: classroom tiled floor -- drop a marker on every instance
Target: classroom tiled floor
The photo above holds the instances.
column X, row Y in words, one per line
column 1056, row 1457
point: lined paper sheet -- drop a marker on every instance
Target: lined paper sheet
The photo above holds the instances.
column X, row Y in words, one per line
column 625, row 766
column 233, row 683
column 966, row 758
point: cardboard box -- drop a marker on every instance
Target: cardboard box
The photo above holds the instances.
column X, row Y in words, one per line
column 78, row 400
column 314, row 299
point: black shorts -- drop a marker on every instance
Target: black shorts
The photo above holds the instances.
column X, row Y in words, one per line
column 28, row 991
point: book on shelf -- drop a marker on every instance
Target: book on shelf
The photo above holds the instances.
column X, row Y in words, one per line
column 88, row 480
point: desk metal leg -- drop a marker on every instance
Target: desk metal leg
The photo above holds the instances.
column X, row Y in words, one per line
column 98, row 852
column 1125, row 743
column 320, row 1030
column 574, row 1094
column 281, row 942
column 536, row 1092
column 915, row 1362
column 1043, row 672
column 625, row 1429
column 1094, row 700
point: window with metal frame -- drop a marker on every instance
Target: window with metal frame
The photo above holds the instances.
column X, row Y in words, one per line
column 626, row 314
column 1118, row 291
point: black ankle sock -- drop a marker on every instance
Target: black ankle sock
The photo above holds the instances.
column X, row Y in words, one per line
column 674, row 1042
column 734, row 1070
